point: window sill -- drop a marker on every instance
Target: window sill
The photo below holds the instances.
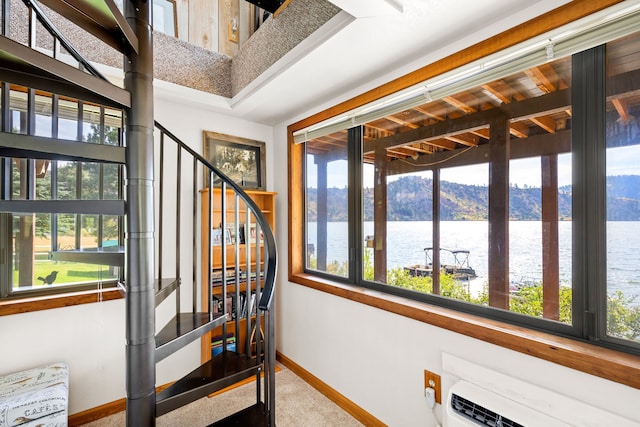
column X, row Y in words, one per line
column 27, row 305
column 609, row 364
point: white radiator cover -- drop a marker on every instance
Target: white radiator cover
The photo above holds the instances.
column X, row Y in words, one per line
column 523, row 402
column 494, row 402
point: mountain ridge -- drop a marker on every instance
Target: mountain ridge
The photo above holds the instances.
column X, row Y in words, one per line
column 409, row 199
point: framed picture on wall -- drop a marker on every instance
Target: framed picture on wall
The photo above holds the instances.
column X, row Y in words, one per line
column 241, row 159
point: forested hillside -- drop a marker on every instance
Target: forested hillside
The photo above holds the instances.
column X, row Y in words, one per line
column 409, row 199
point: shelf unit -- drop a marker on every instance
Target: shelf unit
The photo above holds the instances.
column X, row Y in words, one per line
column 233, row 212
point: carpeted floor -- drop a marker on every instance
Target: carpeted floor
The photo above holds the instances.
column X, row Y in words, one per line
column 297, row 405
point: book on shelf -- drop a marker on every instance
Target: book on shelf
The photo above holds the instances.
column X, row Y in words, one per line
column 216, row 237
column 216, row 344
column 232, row 234
column 230, row 275
column 218, row 305
column 247, row 305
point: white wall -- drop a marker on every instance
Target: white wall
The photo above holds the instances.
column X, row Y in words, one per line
column 91, row 338
column 377, row 359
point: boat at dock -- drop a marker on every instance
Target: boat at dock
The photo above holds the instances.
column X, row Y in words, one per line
column 459, row 268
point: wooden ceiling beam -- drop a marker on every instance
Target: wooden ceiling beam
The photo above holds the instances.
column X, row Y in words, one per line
column 541, row 105
column 552, row 76
column 624, row 84
column 468, row 140
column 421, row 147
column 460, row 105
column 399, row 153
column 335, row 142
column 540, row 79
column 442, row 143
column 498, row 89
column 622, row 108
column 483, row 133
column 546, row 123
column 428, row 113
column 378, row 128
column 534, row 146
column 519, row 130
column 503, row 91
column 537, row 106
column 402, row 122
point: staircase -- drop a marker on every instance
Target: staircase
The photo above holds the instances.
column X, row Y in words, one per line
column 158, row 273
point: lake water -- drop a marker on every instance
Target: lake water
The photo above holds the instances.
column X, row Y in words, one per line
column 406, row 241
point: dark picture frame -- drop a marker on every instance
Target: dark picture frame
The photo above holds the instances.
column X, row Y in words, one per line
column 241, row 159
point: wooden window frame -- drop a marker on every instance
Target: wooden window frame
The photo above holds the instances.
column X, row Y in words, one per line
column 47, row 302
column 613, row 365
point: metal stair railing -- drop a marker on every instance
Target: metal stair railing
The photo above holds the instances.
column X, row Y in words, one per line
column 58, row 39
column 255, row 275
column 238, row 269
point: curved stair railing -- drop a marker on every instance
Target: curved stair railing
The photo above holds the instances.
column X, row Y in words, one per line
column 235, row 271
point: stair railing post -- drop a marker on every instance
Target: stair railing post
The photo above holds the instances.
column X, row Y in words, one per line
column 140, row 298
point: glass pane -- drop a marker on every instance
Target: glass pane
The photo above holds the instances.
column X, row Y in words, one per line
column 43, row 115
column 67, row 174
column 409, row 230
column 19, row 179
column 91, row 123
column 111, row 182
column 540, row 236
column 66, row 238
column 90, row 226
column 113, row 126
column 623, row 189
column 18, row 102
column 67, row 119
column 110, row 231
column 23, row 251
column 327, row 232
column 35, row 265
column 91, row 181
column 43, row 179
column 464, row 228
column 367, row 216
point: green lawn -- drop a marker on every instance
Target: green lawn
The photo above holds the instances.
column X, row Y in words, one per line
column 68, row 272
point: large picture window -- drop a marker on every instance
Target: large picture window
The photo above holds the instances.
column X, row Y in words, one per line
column 486, row 199
column 48, row 252
column 622, row 127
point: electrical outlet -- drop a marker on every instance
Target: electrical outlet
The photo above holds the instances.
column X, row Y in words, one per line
column 232, row 31
column 433, row 380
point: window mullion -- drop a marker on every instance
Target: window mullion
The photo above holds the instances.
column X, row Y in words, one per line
column 356, row 236
column 435, row 221
column 589, row 240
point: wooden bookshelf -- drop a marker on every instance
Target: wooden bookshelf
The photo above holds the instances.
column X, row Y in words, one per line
column 234, row 211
